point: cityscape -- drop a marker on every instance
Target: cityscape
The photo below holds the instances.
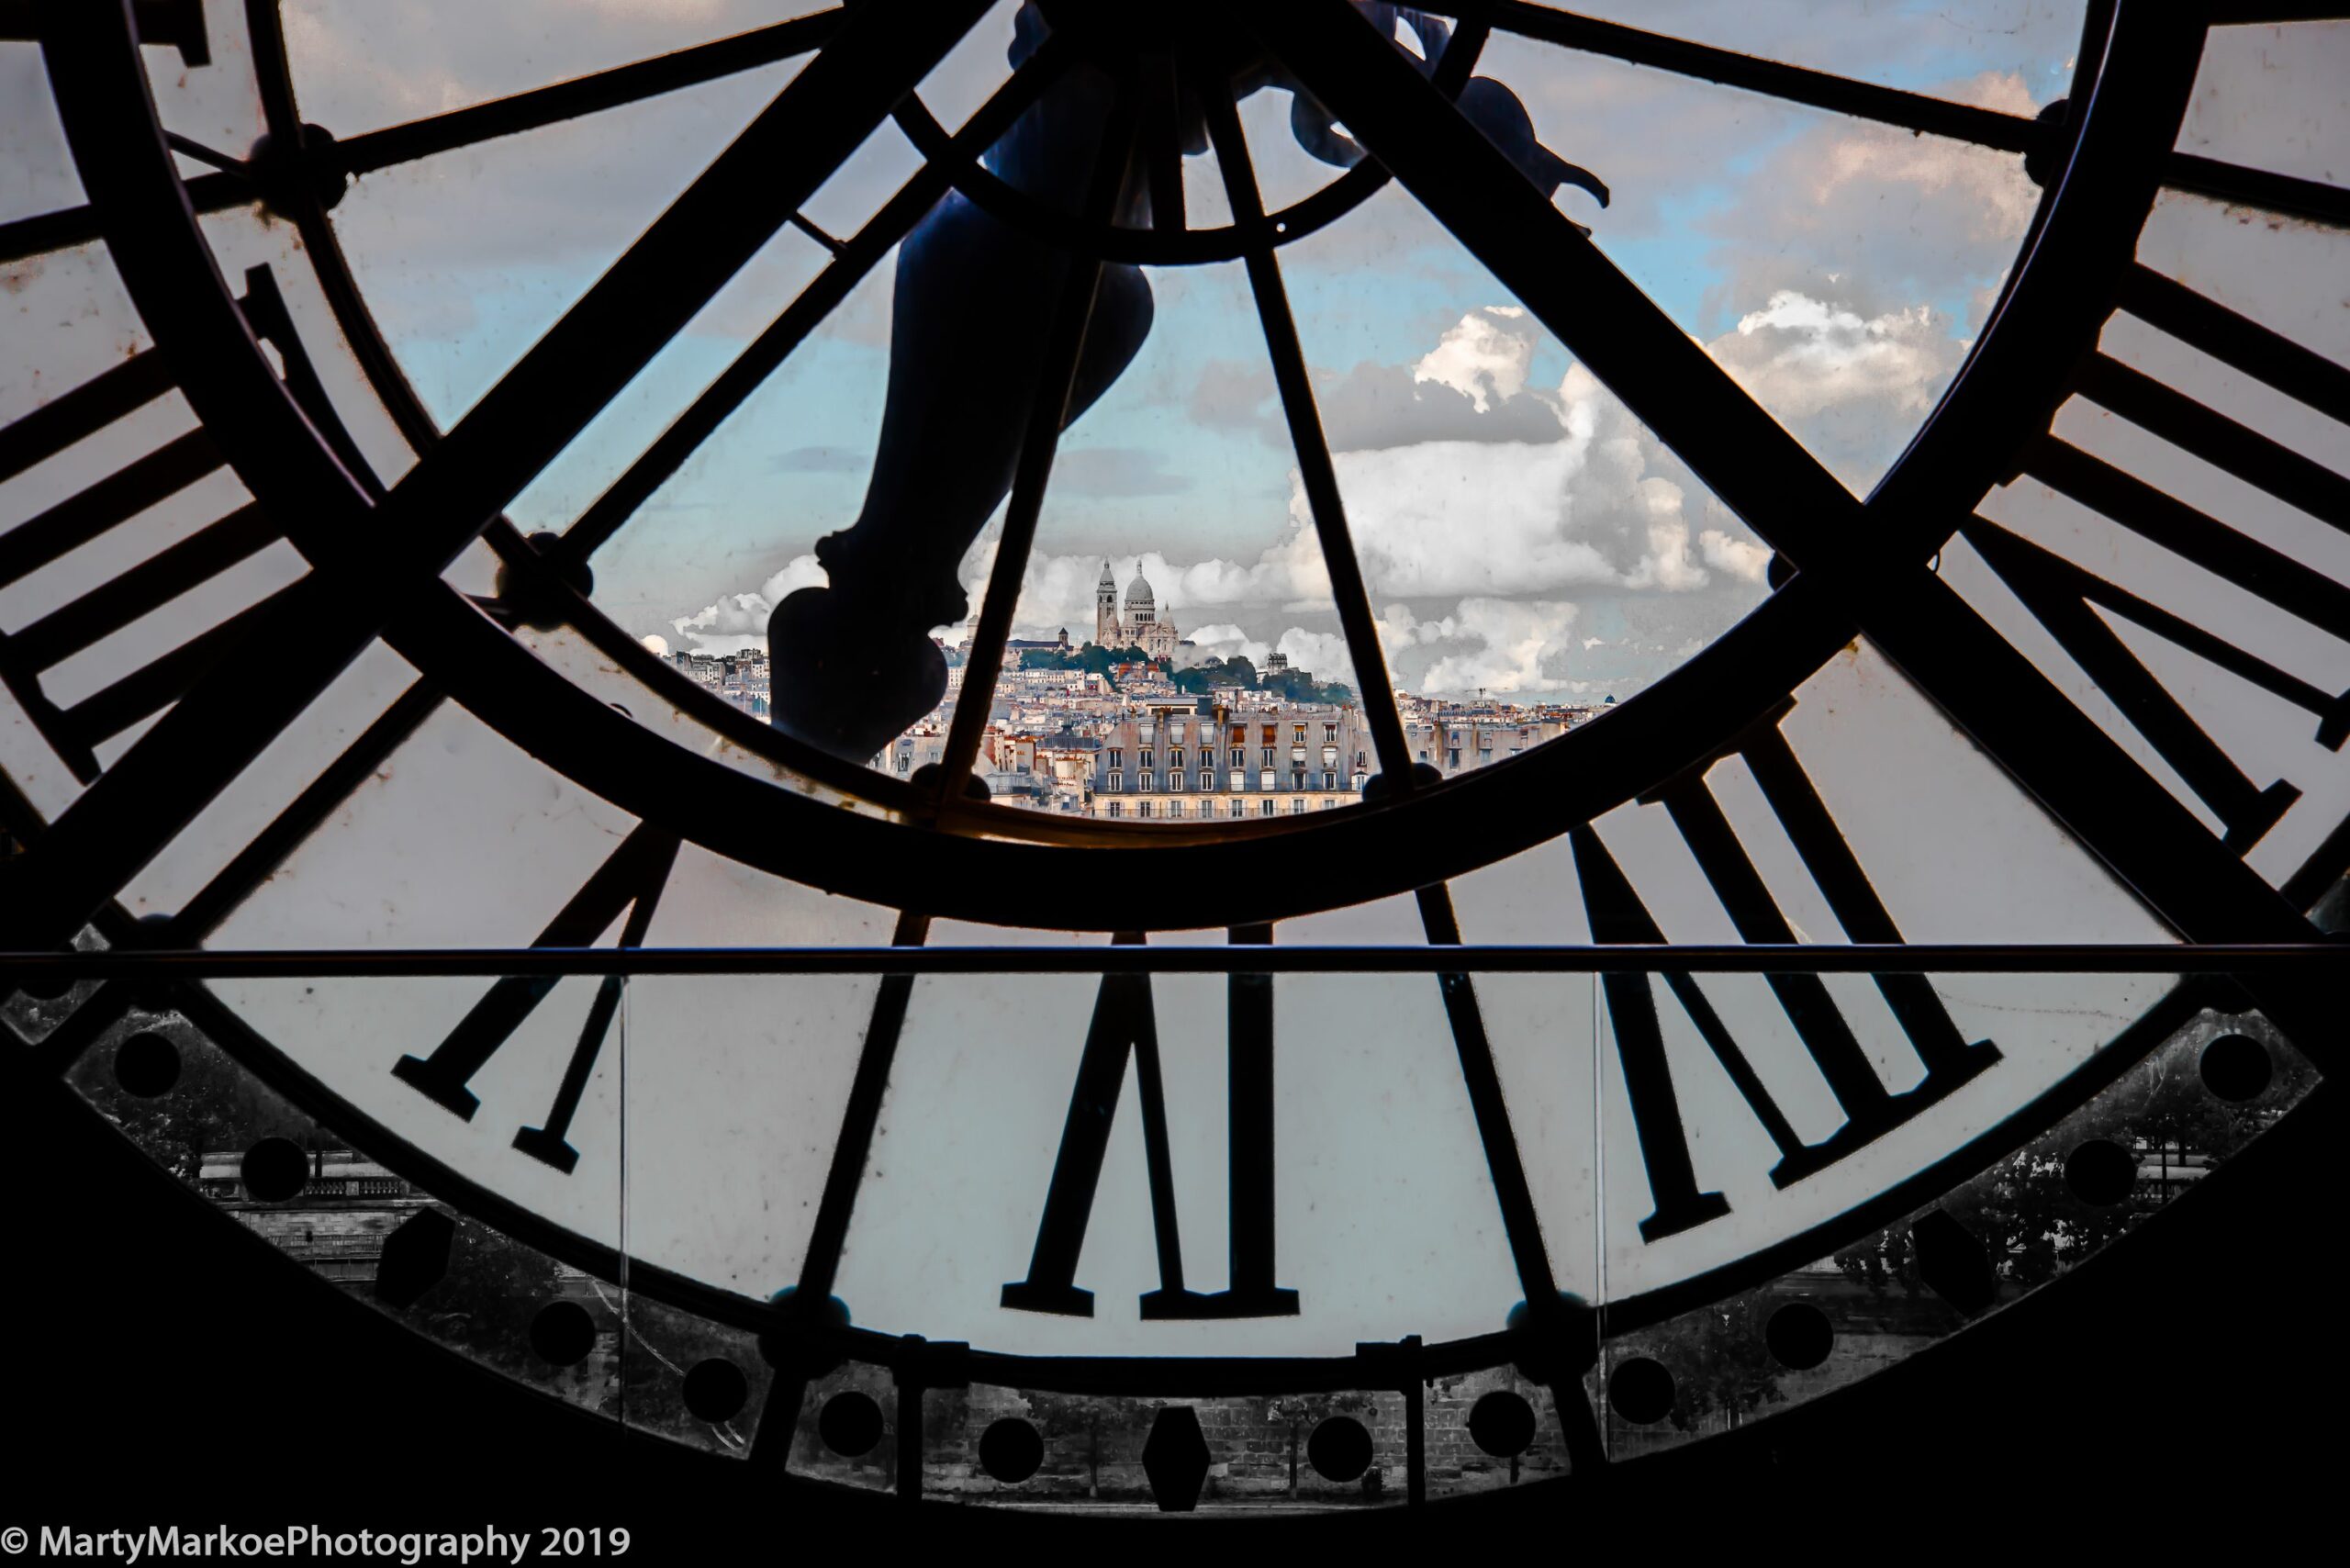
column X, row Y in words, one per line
column 1132, row 724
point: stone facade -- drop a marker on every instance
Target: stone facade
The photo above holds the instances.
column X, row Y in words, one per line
column 1170, row 763
column 1139, row 626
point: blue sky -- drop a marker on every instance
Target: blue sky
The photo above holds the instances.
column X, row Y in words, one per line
column 1725, row 203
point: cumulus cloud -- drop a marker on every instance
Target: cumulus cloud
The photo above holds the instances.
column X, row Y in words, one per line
column 1883, row 217
column 1547, row 491
column 1484, row 356
column 1496, row 646
column 739, row 621
column 1852, row 387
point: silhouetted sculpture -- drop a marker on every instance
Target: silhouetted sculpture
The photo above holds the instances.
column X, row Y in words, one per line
column 852, row 664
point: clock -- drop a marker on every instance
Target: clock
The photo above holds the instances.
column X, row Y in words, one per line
column 1035, row 1075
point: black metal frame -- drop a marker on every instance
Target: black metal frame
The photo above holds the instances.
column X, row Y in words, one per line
column 1858, row 567
column 810, row 1338
column 2076, row 265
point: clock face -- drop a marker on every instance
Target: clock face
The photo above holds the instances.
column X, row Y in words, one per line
column 779, row 719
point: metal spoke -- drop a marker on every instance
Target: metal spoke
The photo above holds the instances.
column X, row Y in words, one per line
column 325, row 795
column 1315, row 470
column 456, row 487
column 1048, row 412
column 2150, row 840
column 211, row 157
column 852, row 261
column 851, row 1153
column 601, row 90
column 68, row 226
column 1794, row 83
column 1736, row 450
column 1521, row 1221
column 1163, row 145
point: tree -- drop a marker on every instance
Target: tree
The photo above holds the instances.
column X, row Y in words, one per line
column 1305, row 1412
column 2024, row 1210
column 663, row 1345
column 485, row 1305
column 1717, row 1360
column 1094, row 1416
column 214, row 1106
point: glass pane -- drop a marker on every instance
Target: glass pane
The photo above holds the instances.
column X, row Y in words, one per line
column 360, row 1212
column 2152, row 1131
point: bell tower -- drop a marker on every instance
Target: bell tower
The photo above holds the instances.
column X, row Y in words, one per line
column 1106, row 609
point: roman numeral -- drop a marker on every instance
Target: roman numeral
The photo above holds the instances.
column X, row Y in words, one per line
column 161, row 24
column 2062, row 595
column 1125, row 1025
column 2075, row 604
column 630, row 879
column 1618, row 915
column 89, row 515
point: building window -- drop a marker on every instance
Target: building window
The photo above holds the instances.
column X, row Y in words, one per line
column 1360, row 778
column 1117, row 808
column 1329, row 732
column 1362, row 759
column 1266, row 807
column 1329, row 756
column 1297, row 805
column 1118, row 756
column 1175, row 757
column 1175, row 780
column 1297, row 734
column 1239, row 807
column 1265, row 780
column 1329, row 780
column 1117, row 782
column 1452, row 757
column 1272, row 735
column 1239, row 734
column 1142, row 782
column 1143, row 758
column 1174, row 807
column 1207, row 780
column 905, row 760
column 1297, row 778
column 1240, row 779
column 1240, row 757
column 1142, row 808
column 1327, row 805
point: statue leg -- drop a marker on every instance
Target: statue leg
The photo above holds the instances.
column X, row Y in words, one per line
column 852, row 663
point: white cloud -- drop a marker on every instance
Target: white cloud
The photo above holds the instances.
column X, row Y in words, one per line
column 1800, row 356
column 1491, row 644
column 1741, row 558
column 1484, row 356
column 740, row 620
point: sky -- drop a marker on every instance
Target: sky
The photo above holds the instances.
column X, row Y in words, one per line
column 1520, row 532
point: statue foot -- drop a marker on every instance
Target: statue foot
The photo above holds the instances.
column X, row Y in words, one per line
column 843, row 677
